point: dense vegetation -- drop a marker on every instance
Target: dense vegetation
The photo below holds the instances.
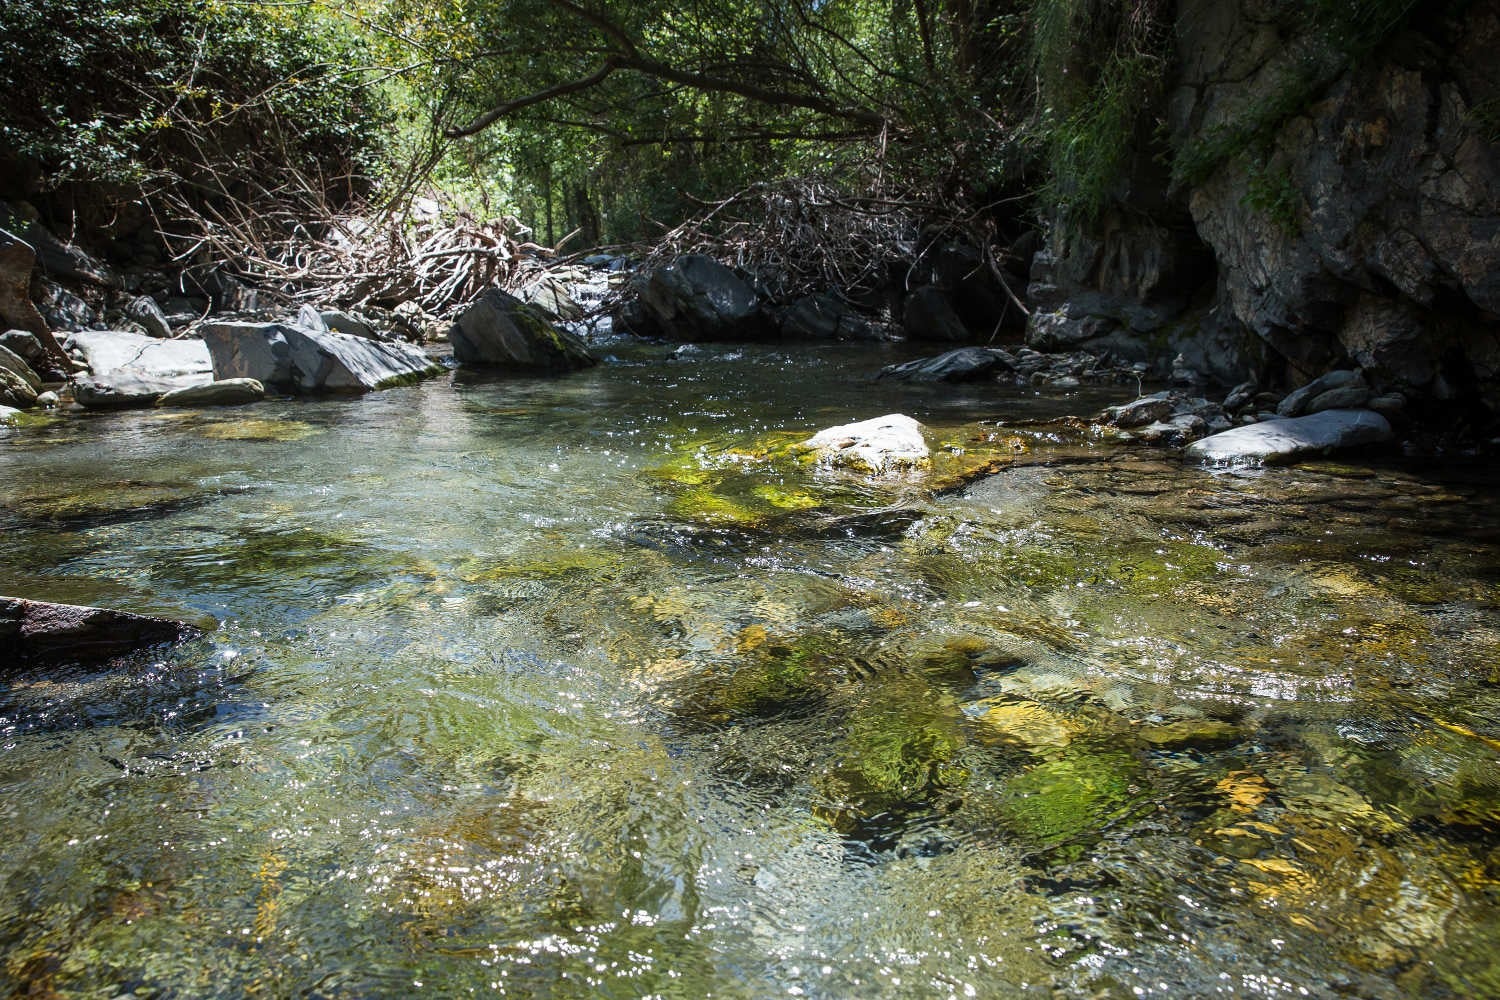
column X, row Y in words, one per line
column 614, row 117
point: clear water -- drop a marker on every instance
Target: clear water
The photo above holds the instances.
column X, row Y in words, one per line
column 563, row 688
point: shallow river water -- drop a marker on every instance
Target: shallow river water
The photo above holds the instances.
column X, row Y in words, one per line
column 590, row 687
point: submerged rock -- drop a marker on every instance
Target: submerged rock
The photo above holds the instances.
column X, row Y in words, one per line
column 40, row 632
column 501, row 331
column 302, row 359
column 1277, row 441
column 889, row 444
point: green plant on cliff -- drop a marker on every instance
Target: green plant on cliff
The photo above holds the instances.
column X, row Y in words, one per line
column 1099, row 66
column 1331, row 37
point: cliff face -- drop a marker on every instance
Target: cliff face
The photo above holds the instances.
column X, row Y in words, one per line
column 1351, row 218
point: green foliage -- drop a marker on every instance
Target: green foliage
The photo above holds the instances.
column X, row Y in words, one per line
column 1272, row 192
column 185, row 96
column 1099, row 66
column 619, row 116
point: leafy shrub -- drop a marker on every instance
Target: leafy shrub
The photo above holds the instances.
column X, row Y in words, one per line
column 200, row 99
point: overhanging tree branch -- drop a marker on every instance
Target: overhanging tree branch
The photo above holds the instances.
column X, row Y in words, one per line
column 552, row 93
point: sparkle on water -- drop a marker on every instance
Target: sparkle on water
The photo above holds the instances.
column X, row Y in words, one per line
column 594, row 687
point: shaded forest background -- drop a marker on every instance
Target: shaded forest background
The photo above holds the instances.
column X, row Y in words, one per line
column 608, row 120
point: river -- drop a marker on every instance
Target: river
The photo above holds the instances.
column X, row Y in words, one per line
column 588, row 687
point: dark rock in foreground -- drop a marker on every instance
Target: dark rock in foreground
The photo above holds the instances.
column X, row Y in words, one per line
column 501, row 331
column 1282, row 441
column 40, row 632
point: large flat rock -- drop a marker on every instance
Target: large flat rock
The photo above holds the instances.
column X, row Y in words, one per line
column 298, row 359
column 107, row 351
column 1280, row 441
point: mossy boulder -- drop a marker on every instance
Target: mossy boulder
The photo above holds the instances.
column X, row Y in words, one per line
column 501, row 331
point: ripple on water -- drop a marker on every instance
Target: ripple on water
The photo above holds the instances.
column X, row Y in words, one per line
column 584, row 687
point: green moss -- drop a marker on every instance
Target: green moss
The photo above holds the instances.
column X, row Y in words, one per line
column 555, row 563
column 259, row 430
column 900, row 746
column 1068, row 802
column 109, row 501
column 705, row 506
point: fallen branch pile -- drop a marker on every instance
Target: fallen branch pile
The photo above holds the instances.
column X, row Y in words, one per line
column 353, row 261
column 800, row 236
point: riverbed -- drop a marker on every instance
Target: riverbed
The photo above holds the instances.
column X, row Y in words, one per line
column 593, row 686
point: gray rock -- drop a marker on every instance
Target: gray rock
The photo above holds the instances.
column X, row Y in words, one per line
column 33, row 632
column 125, row 389
column 1241, row 395
column 64, row 310
column 225, row 392
column 16, row 391
column 823, row 317
column 551, row 296
column 1296, row 402
column 296, row 359
column 107, row 351
column 1391, row 405
column 24, row 345
column 339, row 321
column 501, row 331
column 886, row 445
column 1176, row 430
column 697, row 298
column 1349, row 397
column 929, row 315
column 48, row 399
column 9, row 415
column 966, row 364
column 1142, row 411
column 144, row 310
column 17, row 365
column 1286, row 440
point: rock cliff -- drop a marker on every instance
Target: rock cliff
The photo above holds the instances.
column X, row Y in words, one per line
column 1326, row 207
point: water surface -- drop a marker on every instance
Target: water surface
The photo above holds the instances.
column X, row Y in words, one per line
column 587, row 687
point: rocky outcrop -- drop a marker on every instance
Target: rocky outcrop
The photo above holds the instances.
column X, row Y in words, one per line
column 34, row 632
column 1365, row 230
column 501, row 331
column 1333, row 203
column 697, row 298
column 295, row 358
